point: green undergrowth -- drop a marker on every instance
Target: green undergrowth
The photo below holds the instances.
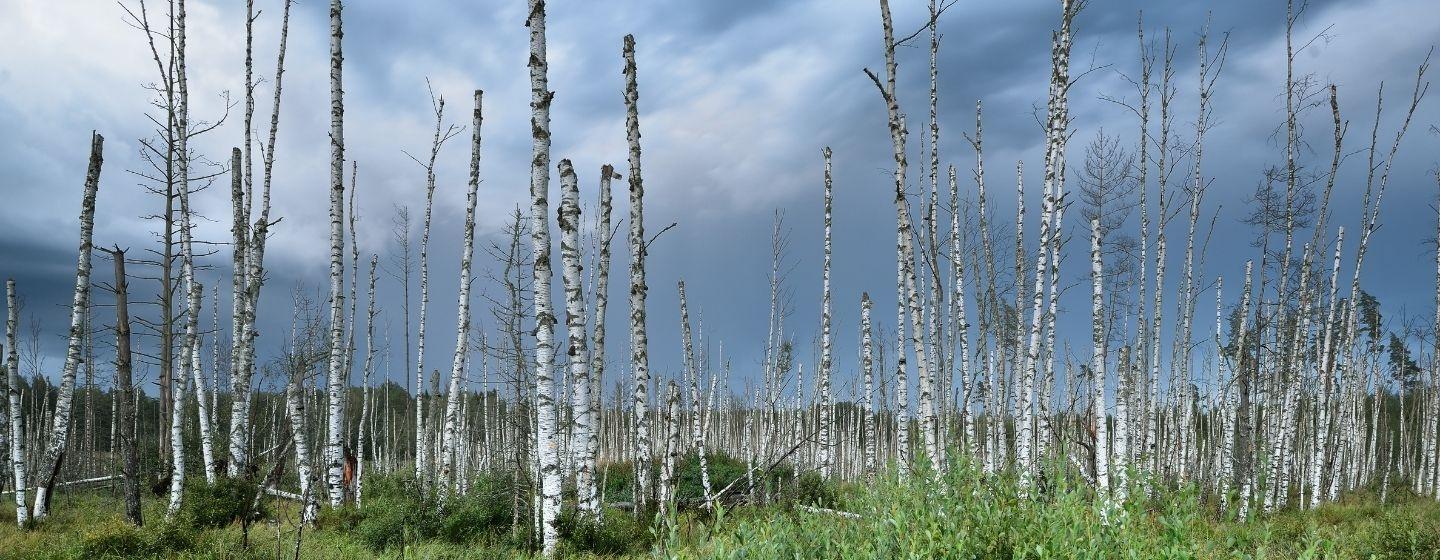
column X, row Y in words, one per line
column 966, row 515
column 962, row 514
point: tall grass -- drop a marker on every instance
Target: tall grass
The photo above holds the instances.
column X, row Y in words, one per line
column 964, row 514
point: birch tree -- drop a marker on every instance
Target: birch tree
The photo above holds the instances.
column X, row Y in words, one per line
column 367, row 412
column 243, row 354
column 605, row 235
column 867, row 369
column 577, row 352
column 337, row 378
column 442, row 134
column 639, row 339
column 462, row 313
column 547, row 433
column 823, row 377
column 18, row 457
column 908, row 292
column 59, row 436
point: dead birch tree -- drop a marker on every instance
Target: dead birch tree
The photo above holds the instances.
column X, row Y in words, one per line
column 55, row 451
column 243, row 355
column 639, row 339
column 18, row 456
column 462, row 313
column 908, row 290
column 337, row 378
column 577, row 351
column 548, row 428
column 823, row 377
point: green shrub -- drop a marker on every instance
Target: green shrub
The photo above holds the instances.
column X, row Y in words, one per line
column 396, row 510
column 119, row 539
column 116, row 539
column 208, row 506
column 617, row 532
column 481, row 513
column 811, row 490
column 1401, row 534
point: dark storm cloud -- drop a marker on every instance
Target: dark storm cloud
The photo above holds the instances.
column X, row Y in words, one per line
column 737, row 99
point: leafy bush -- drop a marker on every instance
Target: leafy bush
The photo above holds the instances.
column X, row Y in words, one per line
column 485, row 511
column 396, row 510
column 119, row 539
column 617, row 532
column 116, row 539
column 220, row 504
column 1401, row 534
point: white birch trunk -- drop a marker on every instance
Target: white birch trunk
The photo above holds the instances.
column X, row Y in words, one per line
column 17, row 449
column 336, row 377
column 462, row 312
column 578, row 359
column 177, row 443
column 243, row 355
column 1097, row 364
column 823, row 377
column 604, row 235
column 867, row 367
column 59, row 436
column 295, row 408
column 672, row 451
column 639, row 339
column 697, row 434
column 547, row 432
column 367, row 412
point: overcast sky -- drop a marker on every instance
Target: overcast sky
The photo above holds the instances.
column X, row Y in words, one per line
column 737, row 99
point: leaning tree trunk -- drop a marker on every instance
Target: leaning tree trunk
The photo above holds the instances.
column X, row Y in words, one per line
column 190, row 366
column 540, row 97
column 692, row 375
column 639, row 340
column 908, row 292
column 462, row 306
column 17, row 450
column 55, row 452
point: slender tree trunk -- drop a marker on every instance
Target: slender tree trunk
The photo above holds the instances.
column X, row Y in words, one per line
column 604, row 235
column 639, row 339
column 668, row 474
column 867, row 368
column 55, row 452
column 243, row 356
column 582, row 406
column 18, row 448
column 295, row 408
column 547, row 434
column 1097, row 364
column 336, row 377
column 367, row 411
column 823, row 377
column 692, row 375
column 124, row 394
column 909, row 296
column 462, row 314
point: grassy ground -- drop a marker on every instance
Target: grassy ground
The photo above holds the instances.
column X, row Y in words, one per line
column 961, row 516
